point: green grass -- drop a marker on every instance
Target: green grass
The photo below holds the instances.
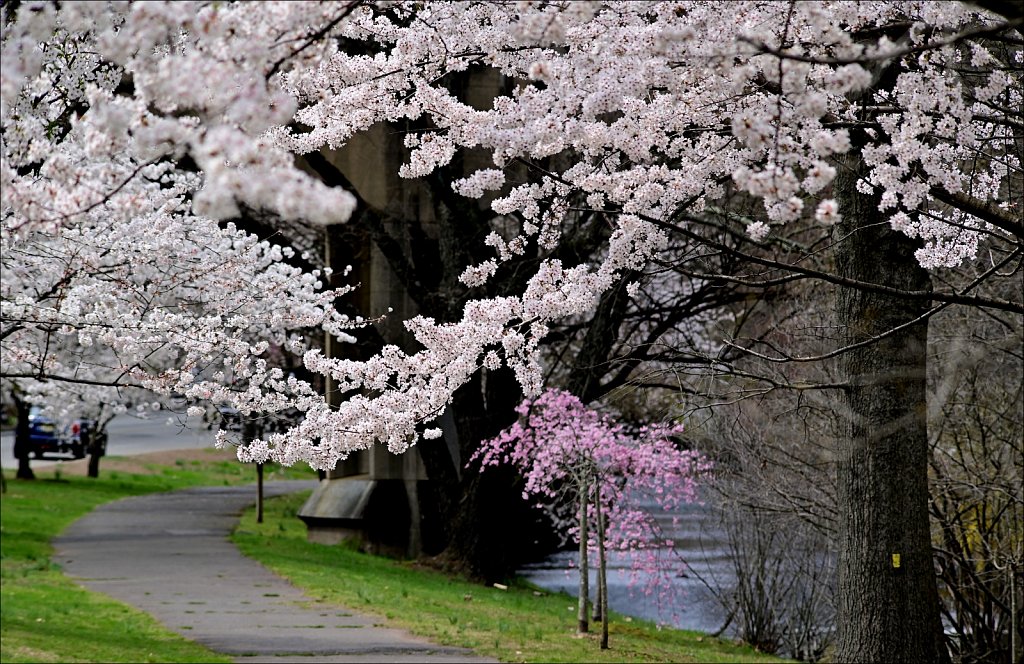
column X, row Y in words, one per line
column 45, row 616
column 517, row 625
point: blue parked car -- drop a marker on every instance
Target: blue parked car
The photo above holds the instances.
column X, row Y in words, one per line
column 47, row 437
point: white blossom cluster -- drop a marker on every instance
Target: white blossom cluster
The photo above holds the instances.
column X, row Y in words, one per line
column 130, row 124
column 197, row 76
column 114, row 279
column 664, row 100
column 169, row 303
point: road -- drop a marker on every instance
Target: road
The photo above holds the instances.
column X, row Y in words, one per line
column 130, row 435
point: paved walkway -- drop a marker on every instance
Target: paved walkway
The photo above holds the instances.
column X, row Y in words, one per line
column 169, row 555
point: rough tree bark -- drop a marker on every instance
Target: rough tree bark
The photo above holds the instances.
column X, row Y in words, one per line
column 490, row 527
column 888, row 603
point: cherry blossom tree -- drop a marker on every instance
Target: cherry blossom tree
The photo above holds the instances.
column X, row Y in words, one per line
column 426, row 234
column 112, row 281
column 91, row 320
column 894, row 126
column 670, row 105
column 568, row 451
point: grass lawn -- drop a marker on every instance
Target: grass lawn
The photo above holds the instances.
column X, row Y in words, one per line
column 517, row 625
column 46, row 617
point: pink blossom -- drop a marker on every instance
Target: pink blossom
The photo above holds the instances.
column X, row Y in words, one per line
column 560, row 445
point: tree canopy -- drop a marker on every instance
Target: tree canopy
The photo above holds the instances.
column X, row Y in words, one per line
column 871, row 146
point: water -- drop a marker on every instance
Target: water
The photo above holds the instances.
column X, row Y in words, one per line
column 701, row 544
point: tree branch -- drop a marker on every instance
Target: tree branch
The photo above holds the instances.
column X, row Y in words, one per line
column 983, row 210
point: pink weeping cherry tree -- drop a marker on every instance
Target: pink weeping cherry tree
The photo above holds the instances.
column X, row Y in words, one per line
column 597, row 481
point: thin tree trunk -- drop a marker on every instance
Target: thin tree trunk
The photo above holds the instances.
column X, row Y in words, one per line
column 24, row 469
column 583, row 625
column 888, row 602
column 97, row 449
column 602, row 571
column 22, row 442
column 598, row 615
column 93, row 442
column 259, row 493
column 93, row 469
column 252, row 428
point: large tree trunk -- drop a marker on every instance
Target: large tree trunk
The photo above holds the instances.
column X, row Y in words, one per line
column 888, row 603
column 490, row 528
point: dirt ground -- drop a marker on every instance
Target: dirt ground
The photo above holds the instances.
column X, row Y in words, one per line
column 141, row 463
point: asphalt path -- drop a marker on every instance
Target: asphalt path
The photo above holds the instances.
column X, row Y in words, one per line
column 169, row 555
column 129, row 435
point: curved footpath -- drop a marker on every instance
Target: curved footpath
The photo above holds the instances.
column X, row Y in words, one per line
column 169, row 555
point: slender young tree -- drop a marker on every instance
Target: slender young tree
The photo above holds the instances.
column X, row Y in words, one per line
column 592, row 478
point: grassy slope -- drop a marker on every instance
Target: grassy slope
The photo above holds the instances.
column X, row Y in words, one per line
column 514, row 625
column 45, row 616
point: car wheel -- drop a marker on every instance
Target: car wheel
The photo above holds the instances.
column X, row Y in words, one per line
column 78, row 451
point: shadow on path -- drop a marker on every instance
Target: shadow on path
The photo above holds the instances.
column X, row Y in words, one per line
column 169, row 555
